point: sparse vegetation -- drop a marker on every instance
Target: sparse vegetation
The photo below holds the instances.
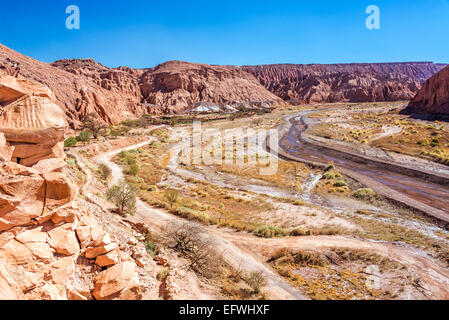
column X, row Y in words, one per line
column 191, row 243
column 172, row 197
column 70, row 142
column 124, row 196
column 256, row 280
column 364, row 194
column 92, row 125
column 84, row 136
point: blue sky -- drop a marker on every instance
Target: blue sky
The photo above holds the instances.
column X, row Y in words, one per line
column 144, row 33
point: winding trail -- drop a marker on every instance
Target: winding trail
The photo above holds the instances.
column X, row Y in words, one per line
column 239, row 258
column 248, row 253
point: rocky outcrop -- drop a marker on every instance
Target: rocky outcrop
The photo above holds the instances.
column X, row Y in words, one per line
column 47, row 235
column 433, row 98
column 85, row 88
column 119, row 282
column 6, row 150
column 30, row 121
column 82, row 86
column 178, row 85
column 50, row 245
column 344, row 82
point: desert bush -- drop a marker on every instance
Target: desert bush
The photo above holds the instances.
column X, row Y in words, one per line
column 270, row 232
column 124, row 197
column 84, row 136
column 70, row 142
column 92, row 125
column 364, row 193
column 256, row 280
column 133, row 169
column 298, row 232
column 172, row 197
column 150, row 247
column 340, row 183
column 188, row 240
column 105, row 171
column 299, row 203
column 163, row 274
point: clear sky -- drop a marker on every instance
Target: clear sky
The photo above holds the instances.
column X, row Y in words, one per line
column 144, row 33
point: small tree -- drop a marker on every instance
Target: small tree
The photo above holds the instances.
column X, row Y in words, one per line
column 91, row 124
column 172, row 197
column 189, row 240
column 70, row 142
column 84, row 137
column 124, row 197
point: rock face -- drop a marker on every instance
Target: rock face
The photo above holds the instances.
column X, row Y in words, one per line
column 46, row 232
column 179, row 85
column 30, row 121
column 83, row 87
column 86, row 87
column 344, row 82
column 433, row 98
column 119, row 282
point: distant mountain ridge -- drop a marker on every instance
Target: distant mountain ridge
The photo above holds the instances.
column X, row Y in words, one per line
column 83, row 86
column 364, row 82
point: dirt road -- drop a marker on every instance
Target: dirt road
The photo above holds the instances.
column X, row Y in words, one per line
column 248, row 253
column 239, row 258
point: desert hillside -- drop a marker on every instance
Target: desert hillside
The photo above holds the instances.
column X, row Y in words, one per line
column 83, row 86
column 433, row 98
column 374, row 82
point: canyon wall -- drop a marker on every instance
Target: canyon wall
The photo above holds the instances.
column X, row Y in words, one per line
column 83, row 86
column 433, row 98
column 344, row 82
column 53, row 245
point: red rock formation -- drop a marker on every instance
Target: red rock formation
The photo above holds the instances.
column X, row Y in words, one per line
column 30, row 121
column 344, row 82
column 91, row 89
column 433, row 98
column 44, row 246
column 82, row 87
column 178, row 85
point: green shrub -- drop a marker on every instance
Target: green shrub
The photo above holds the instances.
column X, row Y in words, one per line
column 84, row 136
column 270, row 232
column 364, row 193
column 171, row 196
column 70, row 142
column 133, row 169
column 340, row 183
column 124, row 196
column 151, row 248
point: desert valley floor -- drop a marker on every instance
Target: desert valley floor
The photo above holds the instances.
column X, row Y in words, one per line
column 355, row 211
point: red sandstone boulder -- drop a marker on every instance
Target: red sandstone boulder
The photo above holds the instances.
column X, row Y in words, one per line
column 64, row 241
column 31, row 122
column 9, row 290
column 119, row 282
column 6, row 151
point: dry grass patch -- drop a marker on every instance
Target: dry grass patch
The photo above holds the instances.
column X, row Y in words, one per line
column 338, row 274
